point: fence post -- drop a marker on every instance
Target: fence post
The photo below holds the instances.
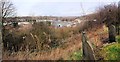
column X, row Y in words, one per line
column 88, row 53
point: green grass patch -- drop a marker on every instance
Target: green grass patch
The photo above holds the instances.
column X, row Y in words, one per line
column 111, row 52
column 118, row 39
column 76, row 55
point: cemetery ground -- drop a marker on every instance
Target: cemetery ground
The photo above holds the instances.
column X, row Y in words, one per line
column 70, row 46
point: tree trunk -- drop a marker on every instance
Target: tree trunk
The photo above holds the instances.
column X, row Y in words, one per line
column 118, row 29
column 112, row 33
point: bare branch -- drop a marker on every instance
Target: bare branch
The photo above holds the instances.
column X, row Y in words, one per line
column 7, row 8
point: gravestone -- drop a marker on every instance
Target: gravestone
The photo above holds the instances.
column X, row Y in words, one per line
column 112, row 33
column 88, row 53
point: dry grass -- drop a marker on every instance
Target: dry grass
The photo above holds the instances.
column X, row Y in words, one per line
column 97, row 36
column 71, row 44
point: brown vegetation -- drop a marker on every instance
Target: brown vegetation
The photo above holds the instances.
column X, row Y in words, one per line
column 68, row 39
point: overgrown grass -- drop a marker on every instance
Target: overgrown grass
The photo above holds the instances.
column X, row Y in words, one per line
column 111, row 52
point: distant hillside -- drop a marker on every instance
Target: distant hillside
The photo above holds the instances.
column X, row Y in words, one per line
column 88, row 17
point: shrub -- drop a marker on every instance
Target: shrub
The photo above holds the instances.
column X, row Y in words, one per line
column 111, row 52
column 49, row 36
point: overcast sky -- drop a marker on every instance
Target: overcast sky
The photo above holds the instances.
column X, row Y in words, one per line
column 58, row 7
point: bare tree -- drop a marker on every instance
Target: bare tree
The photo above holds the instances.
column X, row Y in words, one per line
column 108, row 12
column 118, row 22
column 7, row 10
column 108, row 15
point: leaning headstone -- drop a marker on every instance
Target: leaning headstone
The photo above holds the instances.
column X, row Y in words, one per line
column 112, row 33
column 88, row 53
